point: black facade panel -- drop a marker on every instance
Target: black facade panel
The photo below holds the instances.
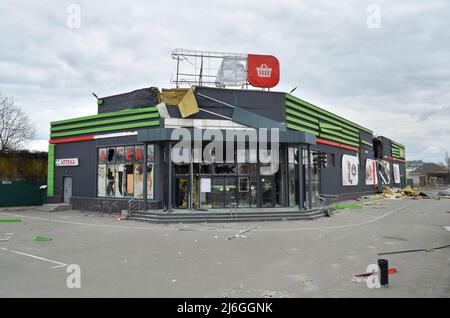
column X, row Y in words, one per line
column 267, row 104
column 143, row 97
column 331, row 176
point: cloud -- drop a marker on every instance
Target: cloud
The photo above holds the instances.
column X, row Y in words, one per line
column 394, row 80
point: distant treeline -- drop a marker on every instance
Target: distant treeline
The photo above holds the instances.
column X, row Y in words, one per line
column 24, row 166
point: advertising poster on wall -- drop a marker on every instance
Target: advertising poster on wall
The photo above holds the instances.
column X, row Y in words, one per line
column 371, row 172
column 150, row 181
column 101, row 177
column 349, row 170
column 396, row 169
column 385, row 171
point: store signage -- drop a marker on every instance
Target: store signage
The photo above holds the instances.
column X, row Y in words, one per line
column 67, row 162
column 263, row 70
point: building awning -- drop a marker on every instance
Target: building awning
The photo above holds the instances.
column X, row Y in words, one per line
column 165, row 134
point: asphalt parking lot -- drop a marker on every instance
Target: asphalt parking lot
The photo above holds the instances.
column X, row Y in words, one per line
column 277, row 259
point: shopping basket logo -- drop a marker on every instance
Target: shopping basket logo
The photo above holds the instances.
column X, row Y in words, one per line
column 263, row 70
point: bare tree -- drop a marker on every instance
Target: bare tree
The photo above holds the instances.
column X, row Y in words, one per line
column 15, row 126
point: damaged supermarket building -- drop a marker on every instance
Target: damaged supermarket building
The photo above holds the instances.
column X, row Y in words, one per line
column 127, row 156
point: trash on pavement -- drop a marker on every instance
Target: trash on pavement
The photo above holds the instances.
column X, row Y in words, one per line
column 40, row 238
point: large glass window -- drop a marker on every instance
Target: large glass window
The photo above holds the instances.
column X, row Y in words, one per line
column 120, row 171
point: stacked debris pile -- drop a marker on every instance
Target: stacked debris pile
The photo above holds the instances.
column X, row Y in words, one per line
column 396, row 193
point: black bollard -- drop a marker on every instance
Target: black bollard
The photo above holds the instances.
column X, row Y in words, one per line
column 384, row 272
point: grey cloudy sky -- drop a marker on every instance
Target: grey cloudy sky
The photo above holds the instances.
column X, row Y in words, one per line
column 393, row 79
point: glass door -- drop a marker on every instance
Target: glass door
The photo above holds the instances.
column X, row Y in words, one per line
column 267, row 192
column 182, row 192
column 230, row 192
column 218, row 190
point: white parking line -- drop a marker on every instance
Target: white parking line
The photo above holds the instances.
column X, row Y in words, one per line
column 59, row 264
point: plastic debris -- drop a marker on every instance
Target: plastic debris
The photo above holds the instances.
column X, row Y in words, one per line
column 239, row 235
column 40, row 238
column 430, row 249
column 10, row 220
column 337, row 206
column 359, row 278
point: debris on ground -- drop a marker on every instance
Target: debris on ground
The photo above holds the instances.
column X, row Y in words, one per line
column 10, row 220
column 395, row 238
column 359, row 278
column 239, row 235
column 447, row 228
column 372, row 196
column 6, row 239
column 396, row 193
column 410, row 191
column 444, row 193
column 431, row 249
column 40, row 238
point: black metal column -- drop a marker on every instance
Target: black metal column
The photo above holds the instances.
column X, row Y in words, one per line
column 144, row 166
column 309, row 179
column 169, row 177
column 301, row 199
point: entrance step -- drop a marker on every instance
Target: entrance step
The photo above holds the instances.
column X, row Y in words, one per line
column 218, row 217
column 55, row 207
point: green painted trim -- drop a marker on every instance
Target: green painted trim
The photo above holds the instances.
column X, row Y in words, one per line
column 367, row 143
column 340, row 140
column 397, row 144
column 343, row 130
column 356, row 130
column 301, row 122
column 301, row 116
column 106, row 115
column 108, row 128
column 315, row 114
column 328, row 126
column 51, row 171
column 320, row 110
column 335, row 133
column 295, row 127
column 300, row 108
column 106, row 122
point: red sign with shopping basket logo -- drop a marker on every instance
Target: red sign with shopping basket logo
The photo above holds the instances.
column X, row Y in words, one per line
column 263, row 70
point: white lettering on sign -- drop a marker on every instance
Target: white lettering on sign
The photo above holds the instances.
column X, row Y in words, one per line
column 68, row 162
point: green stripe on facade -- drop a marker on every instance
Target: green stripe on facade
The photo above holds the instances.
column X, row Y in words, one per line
column 335, row 133
column 322, row 117
column 301, row 122
column 328, row 126
column 320, row 110
column 108, row 128
column 301, row 116
column 295, row 127
column 339, row 140
column 318, row 116
column 367, row 143
column 397, row 144
column 51, row 171
column 356, row 130
column 106, row 122
column 106, row 115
